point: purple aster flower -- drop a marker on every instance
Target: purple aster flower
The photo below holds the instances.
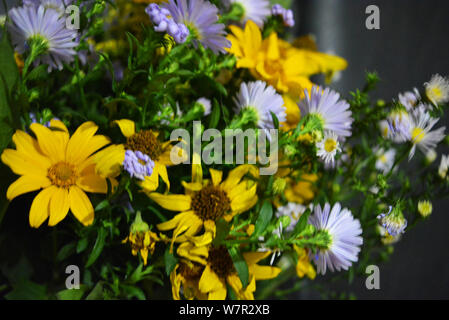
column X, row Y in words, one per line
column 255, row 10
column 393, row 221
column 162, row 21
column 334, row 114
column 200, row 17
column 345, row 240
column 410, row 99
column 261, row 100
column 58, row 5
column 286, row 14
column 138, row 165
column 29, row 23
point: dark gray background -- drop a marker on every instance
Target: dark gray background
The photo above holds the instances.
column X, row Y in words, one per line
column 411, row 45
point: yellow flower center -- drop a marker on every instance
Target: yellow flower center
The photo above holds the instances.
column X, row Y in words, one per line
column 383, row 158
column 146, row 142
column 417, row 135
column 62, row 174
column 330, row 145
column 211, row 203
column 221, row 262
column 435, row 92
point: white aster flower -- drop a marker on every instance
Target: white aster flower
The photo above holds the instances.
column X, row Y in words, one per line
column 399, row 123
column 255, row 10
column 261, row 99
column 206, row 104
column 328, row 147
column 292, row 210
column 410, row 99
column 420, row 132
column 437, row 89
column 444, row 166
column 334, row 114
column 385, row 160
column 345, row 239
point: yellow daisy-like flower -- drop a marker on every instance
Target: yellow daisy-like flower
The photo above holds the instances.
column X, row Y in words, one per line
column 277, row 62
column 304, row 267
column 62, row 166
column 212, row 269
column 110, row 160
column 206, row 202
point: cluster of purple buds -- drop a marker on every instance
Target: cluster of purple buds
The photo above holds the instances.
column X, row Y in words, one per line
column 286, row 14
column 138, row 165
column 160, row 17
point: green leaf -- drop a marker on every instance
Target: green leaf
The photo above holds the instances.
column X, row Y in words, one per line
column 302, row 223
column 215, row 115
column 82, row 245
column 96, row 293
column 222, row 231
column 27, row 290
column 264, row 218
column 275, row 120
column 98, row 247
column 170, row 261
column 8, row 68
column 66, row 251
column 240, row 265
column 132, row 291
column 103, row 204
column 72, row 294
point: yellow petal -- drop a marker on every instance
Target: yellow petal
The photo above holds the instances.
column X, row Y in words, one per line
column 40, row 207
column 244, row 201
column 216, row 176
column 210, row 281
column 22, row 165
column 197, row 170
column 82, row 143
column 109, row 160
column 265, row 272
column 91, row 182
column 26, row 184
column 237, row 174
column 28, row 146
column 127, row 127
column 254, row 257
column 173, row 223
column 81, row 206
column 217, row 294
column 151, row 183
column 162, row 170
column 49, row 142
column 58, row 124
column 172, row 202
column 59, row 206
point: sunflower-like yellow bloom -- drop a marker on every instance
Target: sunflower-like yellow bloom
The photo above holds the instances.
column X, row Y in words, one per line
column 277, row 62
column 62, row 166
column 141, row 239
column 206, row 271
column 304, row 267
column 109, row 161
column 206, row 202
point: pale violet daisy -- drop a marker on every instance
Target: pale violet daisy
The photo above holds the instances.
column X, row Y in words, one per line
column 31, row 24
column 421, row 135
column 255, row 10
column 259, row 99
column 138, row 165
column 399, row 124
column 393, row 221
column 333, row 113
column 410, row 99
column 285, row 14
column 328, row 147
column 344, row 237
column 58, row 5
column 437, row 89
column 206, row 105
column 200, row 17
column 385, row 160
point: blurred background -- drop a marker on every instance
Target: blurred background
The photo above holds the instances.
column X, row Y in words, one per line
column 410, row 46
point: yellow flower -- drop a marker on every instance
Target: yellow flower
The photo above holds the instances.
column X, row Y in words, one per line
column 425, row 208
column 110, row 160
column 277, row 62
column 141, row 238
column 213, row 269
column 62, row 166
column 304, row 267
column 293, row 113
column 205, row 202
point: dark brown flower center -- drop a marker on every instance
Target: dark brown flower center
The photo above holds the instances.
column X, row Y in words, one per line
column 220, row 261
column 62, row 174
column 146, row 142
column 191, row 271
column 211, row 203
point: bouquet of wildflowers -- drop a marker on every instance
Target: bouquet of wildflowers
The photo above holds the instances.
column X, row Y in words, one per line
column 179, row 149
